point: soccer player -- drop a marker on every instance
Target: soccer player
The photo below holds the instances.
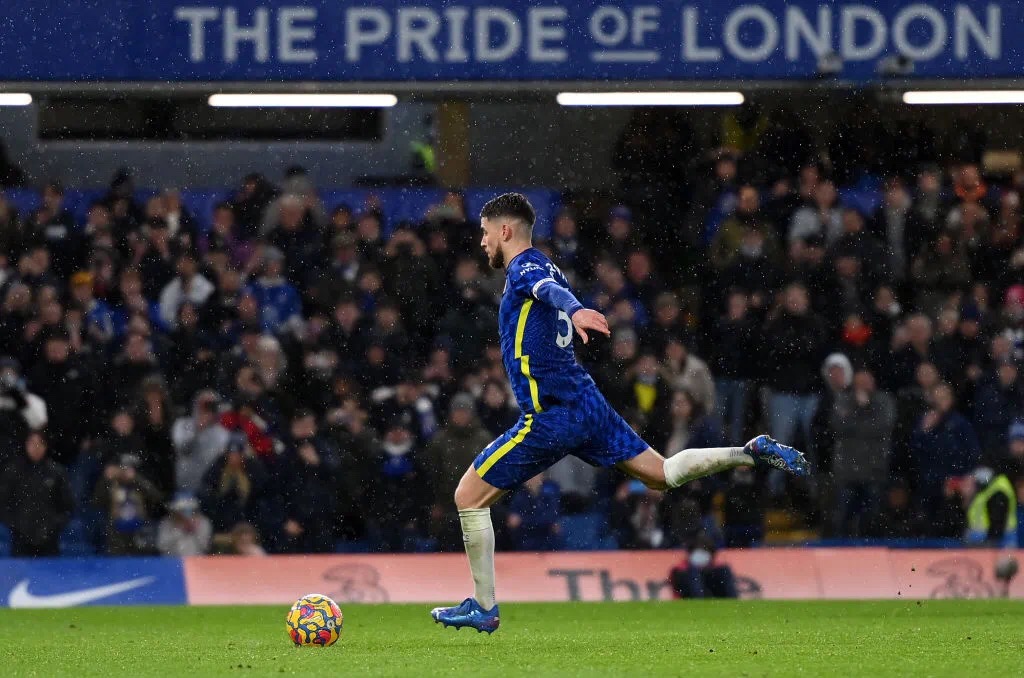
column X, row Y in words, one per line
column 562, row 410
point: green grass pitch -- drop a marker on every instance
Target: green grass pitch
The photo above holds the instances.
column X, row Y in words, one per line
column 691, row 638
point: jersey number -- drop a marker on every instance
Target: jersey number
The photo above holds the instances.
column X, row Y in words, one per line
column 563, row 340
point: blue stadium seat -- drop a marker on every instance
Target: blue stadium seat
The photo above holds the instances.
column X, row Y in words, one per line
column 352, row 546
column 583, row 531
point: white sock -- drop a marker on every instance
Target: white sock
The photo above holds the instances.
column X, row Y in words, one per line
column 689, row 465
column 478, row 535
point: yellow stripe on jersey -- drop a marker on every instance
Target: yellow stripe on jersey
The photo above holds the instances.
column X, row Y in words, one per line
column 524, row 360
column 504, row 449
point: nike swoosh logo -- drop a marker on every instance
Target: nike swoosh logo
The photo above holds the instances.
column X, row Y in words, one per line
column 20, row 596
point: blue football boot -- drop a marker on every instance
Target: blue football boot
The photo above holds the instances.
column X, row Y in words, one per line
column 766, row 450
column 468, row 613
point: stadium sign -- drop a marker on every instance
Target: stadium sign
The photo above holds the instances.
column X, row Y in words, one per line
column 508, row 40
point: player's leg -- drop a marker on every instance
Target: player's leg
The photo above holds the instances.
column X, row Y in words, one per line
column 519, row 454
column 660, row 473
column 473, row 498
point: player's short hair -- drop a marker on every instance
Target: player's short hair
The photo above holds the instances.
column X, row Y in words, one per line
column 513, row 205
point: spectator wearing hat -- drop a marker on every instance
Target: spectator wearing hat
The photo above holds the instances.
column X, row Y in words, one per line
column 279, row 301
column 184, row 531
column 991, row 503
column 35, row 499
column 21, row 410
column 1011, row 462
column 447, row 456
column 189, row 285
column 619, row 239
column 97, row 319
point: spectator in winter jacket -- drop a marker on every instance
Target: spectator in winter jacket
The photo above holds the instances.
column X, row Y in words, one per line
column 233, row 487
column 311, row 467
column 21, row 410
column 999, row 397
column 448, row 455
column 862, row 419
column 943, row 445
column 731, row 361
column 687, row 371
column 823, row 218
column 97, row 318
column 279, row 301
column 742, row 516
column 35, row 500
column 184, row 531
column 199, row 440
column 793, row 346
column 68, row 387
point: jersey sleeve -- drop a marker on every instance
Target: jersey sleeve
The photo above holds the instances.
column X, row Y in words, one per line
column 537, row 281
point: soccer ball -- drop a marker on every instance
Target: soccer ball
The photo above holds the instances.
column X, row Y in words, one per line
column 314, row 619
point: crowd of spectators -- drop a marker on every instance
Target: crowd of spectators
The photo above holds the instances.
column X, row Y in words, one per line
column 288, row 378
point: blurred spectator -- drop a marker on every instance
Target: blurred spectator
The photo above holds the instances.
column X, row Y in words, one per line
column 690, row 427
column 298, row 241
column 399, row 489
column 731, row 239
column 10, row 173
column 35, row 500
column 296, row 189
column 129, row 501
column 198, row 440
column 279, row 301
column 636, row 518
column 243, row 540
column 939, row 269
column 406, row 404
column 189, row 285
column 998, row 399
column 448, row 455
column 822, row 218
column 57, row 230
column 67, row 386
column 943, row 445
column 184, row 531
column 310, row 475
column 732, row 344
column 700, row 576
column 533, row 515
column 21, row 410
column 250, row 202
column 688, row 372
column 862, row 420
column 793, row 345
column 231, row 488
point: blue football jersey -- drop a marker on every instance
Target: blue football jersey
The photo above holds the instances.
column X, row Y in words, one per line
column 536, row 339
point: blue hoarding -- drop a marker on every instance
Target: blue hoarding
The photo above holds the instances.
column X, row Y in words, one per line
column 501, row 40
column 70, row 582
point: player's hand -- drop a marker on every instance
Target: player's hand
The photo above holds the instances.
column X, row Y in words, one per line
column 587, row 319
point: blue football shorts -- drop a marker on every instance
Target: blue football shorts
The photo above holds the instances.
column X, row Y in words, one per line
column 589, row 429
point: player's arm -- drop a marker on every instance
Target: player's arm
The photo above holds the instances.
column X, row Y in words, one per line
column 550, row 292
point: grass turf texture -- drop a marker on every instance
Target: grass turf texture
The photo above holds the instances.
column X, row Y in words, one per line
column 727, row 638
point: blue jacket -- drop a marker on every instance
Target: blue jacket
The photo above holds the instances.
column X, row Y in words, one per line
column 950, row 449
column 279, row 302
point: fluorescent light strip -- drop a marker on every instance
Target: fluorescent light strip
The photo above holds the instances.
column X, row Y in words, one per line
column 303, row 100
column 650, row 98
column 15, row 99
column 964, row 97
